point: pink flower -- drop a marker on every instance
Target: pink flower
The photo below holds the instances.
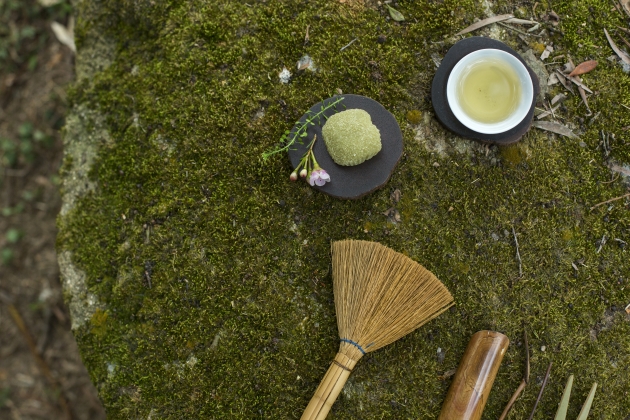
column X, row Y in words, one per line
column 319, row 177
column 303, row 173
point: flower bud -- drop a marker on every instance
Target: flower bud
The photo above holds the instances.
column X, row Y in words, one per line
column 303, row 173
column 293, row 176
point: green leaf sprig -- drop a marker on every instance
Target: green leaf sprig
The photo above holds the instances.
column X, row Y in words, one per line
column 300, row 133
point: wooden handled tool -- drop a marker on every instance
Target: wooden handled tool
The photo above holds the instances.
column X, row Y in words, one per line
column 475, row 375
column 380, row 296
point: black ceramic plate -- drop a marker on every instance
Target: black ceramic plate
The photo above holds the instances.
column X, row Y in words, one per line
column 353, row 181
column 438, row 92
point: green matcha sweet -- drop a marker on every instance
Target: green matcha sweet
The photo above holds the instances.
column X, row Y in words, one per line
column 351, row 138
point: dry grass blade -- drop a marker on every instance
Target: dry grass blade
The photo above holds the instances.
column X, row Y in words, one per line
column 561, row 414
column 484, row 22
column 380, row 296
column 625, row 5
column 583, row 68
column 554, row 127
column 616, row 49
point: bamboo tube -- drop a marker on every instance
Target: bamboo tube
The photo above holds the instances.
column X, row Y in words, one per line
column 475, row 375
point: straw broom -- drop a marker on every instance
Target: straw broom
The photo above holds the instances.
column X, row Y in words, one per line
column 380, row 296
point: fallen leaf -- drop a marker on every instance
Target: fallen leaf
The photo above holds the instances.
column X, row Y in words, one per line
column 521, row 21
column 452, row 372
column 584, row 67
column 579, row 83
column 558, row 98
column 620, row 169
column 554, row 18
column 389, row 211
column 562, row 78
column 554, row 127
column 395, row 14
column 553, row 79
column 395, row 196
column 568, row 68
column 545, row 54
column 48, row 3
column 583, row 95
column 617, row 51
column 484, row 22
column 64, row 35
column 625, row 4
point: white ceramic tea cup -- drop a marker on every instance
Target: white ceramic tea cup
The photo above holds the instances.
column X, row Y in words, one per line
column 521, row 109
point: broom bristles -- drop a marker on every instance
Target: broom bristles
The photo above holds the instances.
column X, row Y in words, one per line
column 382, row 295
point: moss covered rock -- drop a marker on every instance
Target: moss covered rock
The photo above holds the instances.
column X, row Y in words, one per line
column 199, row 275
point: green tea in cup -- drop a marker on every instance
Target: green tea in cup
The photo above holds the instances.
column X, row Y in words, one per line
column 489, row 90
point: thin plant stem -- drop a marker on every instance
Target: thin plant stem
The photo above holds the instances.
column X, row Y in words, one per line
column 531, row 416
column 301, row 129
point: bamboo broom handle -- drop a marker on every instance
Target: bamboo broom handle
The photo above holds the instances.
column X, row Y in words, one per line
column 329, row 388
column 475, row 375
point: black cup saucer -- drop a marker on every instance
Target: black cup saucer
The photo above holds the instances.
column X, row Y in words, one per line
column 443, row 110
column 352, row 182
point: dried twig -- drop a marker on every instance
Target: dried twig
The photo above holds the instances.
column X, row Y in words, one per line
column 347, row 45
column 544, row 384
column 527, row 356
column 483, row 23
column 306, row 38
column 602, row 243
column 611, row 200
column 548, row 112
column 515, row 396
column 518, row 255
column 517, row 30
column 522, row 385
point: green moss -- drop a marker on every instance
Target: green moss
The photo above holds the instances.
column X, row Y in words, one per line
column 414, row 116
column 513, row 154
column 216, row 283
column 99, row 322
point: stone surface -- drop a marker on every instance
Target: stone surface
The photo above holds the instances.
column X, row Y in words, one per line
column 198, row 275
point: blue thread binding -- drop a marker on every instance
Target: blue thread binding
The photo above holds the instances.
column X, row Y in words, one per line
column 345, row 340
